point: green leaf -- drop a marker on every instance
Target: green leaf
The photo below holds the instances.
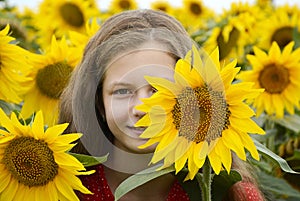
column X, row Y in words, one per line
column 296, row 37
column 88, row 161
column 139, row 179
column 271, row 155
column 9, row 107
column 222, row 183
column 276, row 185
column 296, row 156
column 291, row 122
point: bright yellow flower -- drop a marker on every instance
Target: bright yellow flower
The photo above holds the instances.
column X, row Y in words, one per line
column 235, row 30
column 193, row 15
column 13, row 68
column 35, row 163
column 80, row 40
column 201, row 114
column 278, row 73
column 278, row 27
column 50, row 76
column 63, row 16
column 117, row 6
column 164, row 6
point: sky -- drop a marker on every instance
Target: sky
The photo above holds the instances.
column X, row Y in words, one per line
column 217, row 5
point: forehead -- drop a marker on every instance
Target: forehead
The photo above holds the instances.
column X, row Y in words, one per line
column 137, row 64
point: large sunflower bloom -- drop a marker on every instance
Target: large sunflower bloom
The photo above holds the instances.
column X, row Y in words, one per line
column 34, row 163
column 278, row 73
column 50, row 76
column 13, row 68
column 203, row 113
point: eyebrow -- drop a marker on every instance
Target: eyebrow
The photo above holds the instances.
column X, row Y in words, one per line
column 117, row 83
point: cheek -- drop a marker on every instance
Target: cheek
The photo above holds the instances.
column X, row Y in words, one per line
column 116, row 112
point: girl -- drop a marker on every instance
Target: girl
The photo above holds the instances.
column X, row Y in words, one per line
column 101, row 98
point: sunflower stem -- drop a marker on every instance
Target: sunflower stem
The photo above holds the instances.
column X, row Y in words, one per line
column 269, row 126
column 204, row 181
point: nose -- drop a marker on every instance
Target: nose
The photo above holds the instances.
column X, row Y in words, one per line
column 136, row 100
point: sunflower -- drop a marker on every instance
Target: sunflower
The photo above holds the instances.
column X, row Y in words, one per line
column 164, row 6
column 278, row 73
column 13, row 68
column 194, row 15
column 234, row 31
column 79, row 40
column 50, row 76
column 117, row 6
column 203, row 113
column 35, row 163
column 63, row 16
column 278, row 27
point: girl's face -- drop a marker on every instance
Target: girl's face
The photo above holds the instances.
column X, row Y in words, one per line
column 124, row 86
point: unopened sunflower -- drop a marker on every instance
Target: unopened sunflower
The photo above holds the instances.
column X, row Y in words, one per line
column 278, row 73
column 34, row 164
column 201, row 114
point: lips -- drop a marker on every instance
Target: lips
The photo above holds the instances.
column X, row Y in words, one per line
column 137, row 130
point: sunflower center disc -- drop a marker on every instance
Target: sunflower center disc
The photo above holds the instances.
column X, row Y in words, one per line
column 30, row 161
column 200, row 114
column 274, row 78
column 195, row 9
column 72, row 15
column 52, row 79
column 283, row 36
column 124, row 4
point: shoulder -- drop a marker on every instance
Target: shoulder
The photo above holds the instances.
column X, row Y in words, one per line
column 245, row 191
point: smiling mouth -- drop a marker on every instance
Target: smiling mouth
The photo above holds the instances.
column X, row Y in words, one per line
column 138, row 130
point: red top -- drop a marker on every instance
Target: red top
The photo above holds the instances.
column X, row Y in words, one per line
column 97, row 184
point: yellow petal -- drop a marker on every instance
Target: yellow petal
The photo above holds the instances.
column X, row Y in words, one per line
column 4, row 180
column 64, row 187
column 6, row 122
column 52, row 132
column 224, row 153
column 9, row 193
column 68, row 138
column 38, row 125
column 75, row 182
column 179, row 164
column 246, row 125
column 232, row 140
column 249, row 145
column 215, row 162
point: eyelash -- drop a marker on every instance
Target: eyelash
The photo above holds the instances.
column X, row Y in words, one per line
column 119, row 91
column 128, row 91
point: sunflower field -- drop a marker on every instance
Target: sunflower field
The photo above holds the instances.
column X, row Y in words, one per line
column 40, row 48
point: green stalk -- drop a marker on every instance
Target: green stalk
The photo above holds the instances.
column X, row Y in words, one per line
column 204, row 181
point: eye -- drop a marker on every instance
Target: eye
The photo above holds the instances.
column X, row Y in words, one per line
column 153, row 90
column 122, row 91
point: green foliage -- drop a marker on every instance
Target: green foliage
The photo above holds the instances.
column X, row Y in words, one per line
column 88, row 161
